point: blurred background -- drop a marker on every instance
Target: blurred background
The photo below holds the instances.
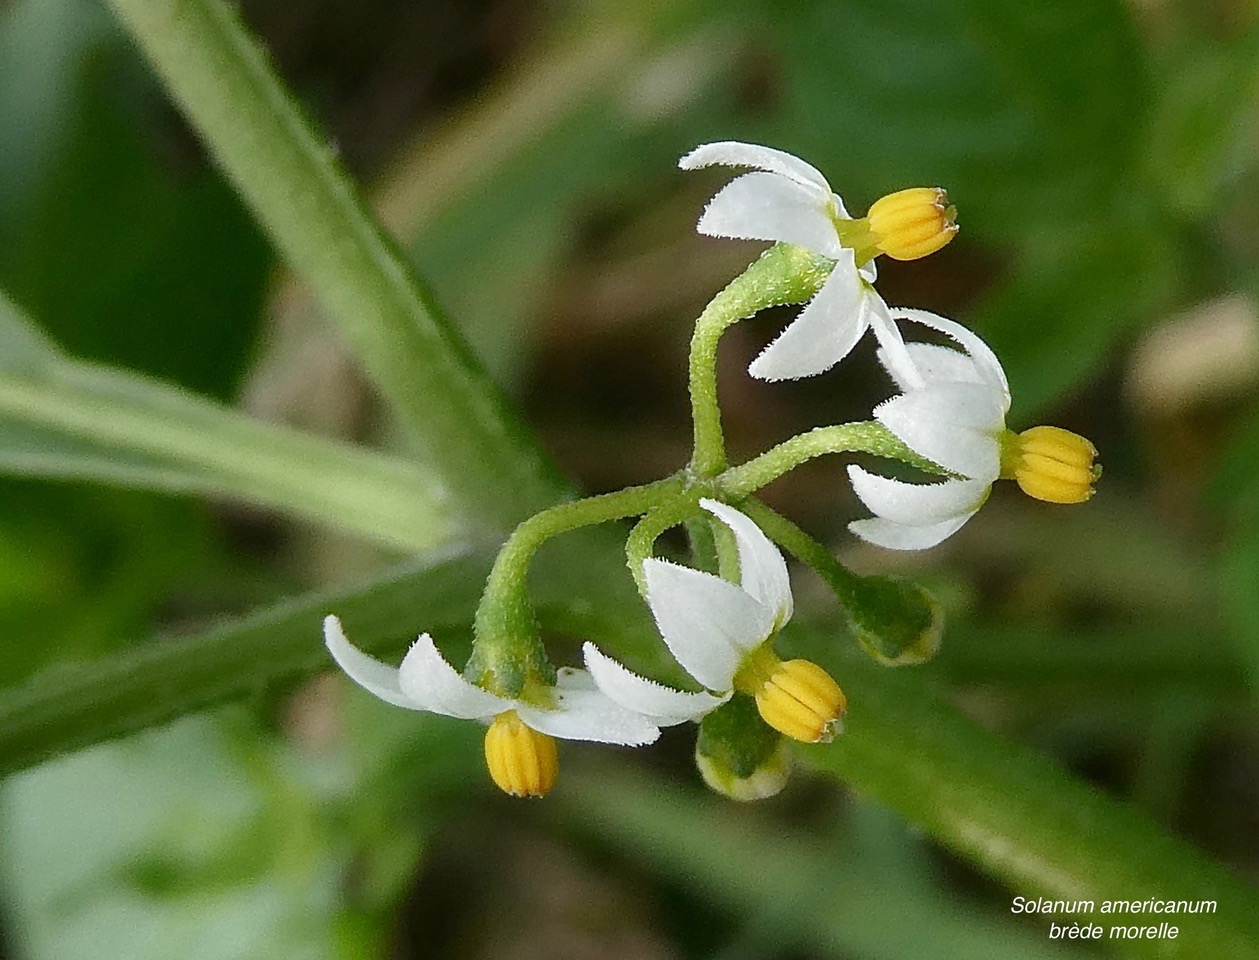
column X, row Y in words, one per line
column 1104, row 158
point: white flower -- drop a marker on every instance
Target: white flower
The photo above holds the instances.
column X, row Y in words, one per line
column 788, row 200
column 425, row 681
column 952, row 412
column 709, row 624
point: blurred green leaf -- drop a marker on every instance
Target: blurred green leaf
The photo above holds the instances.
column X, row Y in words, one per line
column 64, row 419
column 203, row 840
column 218, row 75
column 1025, row 113
column 127, row 245
column 827, row 897
column 1204, row 132
column 1073, row 292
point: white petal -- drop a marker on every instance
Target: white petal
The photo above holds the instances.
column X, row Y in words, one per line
column 897, row 536
column 368, row 672
column 869, row 272
column 935, row 364
column 762, row 569
column 435, row 685
column 732, row 153
column 917, row 503
column 954, row 424
column 707, row 623
column 824, row 332
column 893, row 350
column 583, row 713
column 986, row 361
column 765, row 206
column 661, row 705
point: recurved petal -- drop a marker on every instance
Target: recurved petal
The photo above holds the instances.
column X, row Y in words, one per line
column 435, row 685
column 986, row 362
column 762, row 569
column 707, row 623
column 936, row 364
column 368, row 672
column 584, row 713
column 732, row 153
column 893, row 350
column 766, row 206
column 953, row 424
column 824, row 332
column 662, row 705
column 917, row 504
column 899, row 536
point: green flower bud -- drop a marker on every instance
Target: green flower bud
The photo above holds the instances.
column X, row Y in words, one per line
column 896, row 620
column 738, row 755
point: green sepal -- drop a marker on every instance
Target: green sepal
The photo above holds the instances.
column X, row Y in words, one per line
column 738, row 755
column 896, row 621
column 735, row 736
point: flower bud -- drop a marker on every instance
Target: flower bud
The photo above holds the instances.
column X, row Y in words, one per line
column 895, row 620
column 1051, row 464
column 912, row 223
column 522, row 761
column 738, row 755
column 802, row 701
column 763, row 782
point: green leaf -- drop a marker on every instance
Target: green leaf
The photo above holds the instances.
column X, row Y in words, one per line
column 1204, row 132
column 69, row 420
column 829, row 898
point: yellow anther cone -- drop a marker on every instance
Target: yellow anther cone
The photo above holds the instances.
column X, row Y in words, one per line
column 522, row 762
column 912, row 223
column 1053, row 464
column 800, row 700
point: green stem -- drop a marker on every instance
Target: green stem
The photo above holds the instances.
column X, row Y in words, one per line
column 287, row 174
column 102, row 424
column 895, row 620
column 507, row 655
column 863, row 437
column 783, row 274
column 641, row 542
column 804, row 548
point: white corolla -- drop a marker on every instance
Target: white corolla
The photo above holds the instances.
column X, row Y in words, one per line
column 952, row 412
column 785, row 199
column 722, row 634
column 519, row 749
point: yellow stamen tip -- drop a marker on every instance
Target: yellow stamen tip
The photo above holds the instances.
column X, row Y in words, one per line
column 522, row 762
column 912, row 223
column 800, row 700
column 1052, row 464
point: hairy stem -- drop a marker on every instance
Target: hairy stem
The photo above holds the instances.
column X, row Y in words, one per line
column 783, row 274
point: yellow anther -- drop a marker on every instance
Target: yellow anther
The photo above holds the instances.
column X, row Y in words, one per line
column 912, row 223
column 1051, row 464
column 522, row 761
column 797, row 698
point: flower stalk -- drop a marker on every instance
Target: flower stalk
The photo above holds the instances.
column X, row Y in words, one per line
column 783, row 274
